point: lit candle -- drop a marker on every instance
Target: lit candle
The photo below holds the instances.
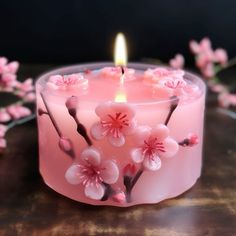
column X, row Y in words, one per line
column 122, row 134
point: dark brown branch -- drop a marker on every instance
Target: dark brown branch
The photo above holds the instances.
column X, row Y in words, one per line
column 173, row 106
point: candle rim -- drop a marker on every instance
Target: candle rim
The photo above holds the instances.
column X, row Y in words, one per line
column 41, row 80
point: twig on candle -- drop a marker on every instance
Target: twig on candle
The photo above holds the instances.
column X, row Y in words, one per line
column 130, row 182
column 71, row 105
column 42, row 112
column 65, row 144
column 51, row 116
column 173, row 106
column 109, row 191
column 190, row 141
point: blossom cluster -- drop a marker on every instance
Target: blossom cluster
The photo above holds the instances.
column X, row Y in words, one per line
column 24, row 91
column 210, row 62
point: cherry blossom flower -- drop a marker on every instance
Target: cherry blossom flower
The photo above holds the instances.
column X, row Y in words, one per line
column 177, row 62
column 167, row 82
column 92, row 173
column 7, row 81
column 116, row 122
column 152, row 145
column 116, row 72
column 217, row 87
column 18, row 111
column 221, row 56
column 203, row 46
column 226, row 99
column 4, row 115
column 206, row 57
column 64, row 82
column 162, row 74
column 3, row 63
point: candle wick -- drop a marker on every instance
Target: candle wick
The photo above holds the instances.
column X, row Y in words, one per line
column 122, row 70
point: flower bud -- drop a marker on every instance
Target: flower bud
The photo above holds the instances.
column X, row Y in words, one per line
column 193, row 139
column 129, row 170
column 119, row 197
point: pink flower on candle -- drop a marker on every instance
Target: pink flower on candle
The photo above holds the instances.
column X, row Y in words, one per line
column 153, row 144
column 92, row 172
column 116, row 72
column 167, row 82
column 153, row 76
column 18, row 111
column 177, row 62
column 64, row 82
column 4, row 116
column 116, row 122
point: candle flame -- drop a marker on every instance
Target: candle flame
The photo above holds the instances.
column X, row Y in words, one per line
column 120, row 96
column 120, row 53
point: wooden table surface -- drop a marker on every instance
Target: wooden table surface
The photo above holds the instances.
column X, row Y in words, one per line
column 29, row 207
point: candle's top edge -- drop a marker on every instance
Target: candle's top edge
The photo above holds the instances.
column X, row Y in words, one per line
column 82, row 68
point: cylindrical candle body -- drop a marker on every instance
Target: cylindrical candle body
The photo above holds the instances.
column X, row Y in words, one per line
column 98, row 150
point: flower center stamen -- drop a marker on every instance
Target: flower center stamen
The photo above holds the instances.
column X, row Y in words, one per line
column 152, row 146
column 90, row 175
column 115, row 124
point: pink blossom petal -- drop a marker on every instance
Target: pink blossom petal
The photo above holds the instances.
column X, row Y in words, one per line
column 161, row 91
column 3, row 129
column 177, row 62
column 171, row 148
column 109, row 172
column 4, row 116
column 103, row 109
column 97, row 131
column 73, row 175
column 152, row 164
column 124, row 108
column 13, row 67
column 205, row 44
column 117, row 141
column 141, row 133
column 137, row 155
column 221, row 56
column 160, row 132
column 127, row 130
column 94, row 191
column 91, row 156
column 194, row 47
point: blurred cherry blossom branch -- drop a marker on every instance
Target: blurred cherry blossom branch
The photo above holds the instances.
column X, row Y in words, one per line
column 15, row 113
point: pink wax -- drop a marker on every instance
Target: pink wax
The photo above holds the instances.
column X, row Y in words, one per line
column 98, row 148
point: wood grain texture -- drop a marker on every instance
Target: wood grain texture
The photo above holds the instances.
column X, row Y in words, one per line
column 29, row 207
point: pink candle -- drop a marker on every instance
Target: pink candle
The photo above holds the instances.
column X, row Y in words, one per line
column 107, row 142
